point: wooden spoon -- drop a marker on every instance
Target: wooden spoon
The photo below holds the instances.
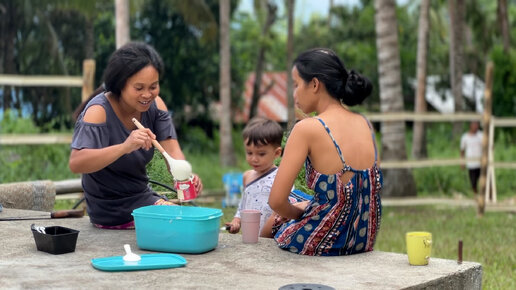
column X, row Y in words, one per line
column 180, row 169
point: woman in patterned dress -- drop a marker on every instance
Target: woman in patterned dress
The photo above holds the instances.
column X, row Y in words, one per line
column 338, row 150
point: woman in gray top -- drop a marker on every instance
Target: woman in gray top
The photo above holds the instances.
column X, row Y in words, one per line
column 108, row 149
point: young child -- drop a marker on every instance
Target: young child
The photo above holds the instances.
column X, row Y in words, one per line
column 262, row 141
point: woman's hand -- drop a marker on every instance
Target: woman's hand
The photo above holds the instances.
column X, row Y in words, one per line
column 139, row 138
column 198, row 184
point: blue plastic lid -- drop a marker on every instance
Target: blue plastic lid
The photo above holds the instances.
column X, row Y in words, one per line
column 178, row 212
column 147, row 262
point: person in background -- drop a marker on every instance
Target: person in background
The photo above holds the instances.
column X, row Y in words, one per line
column 262, row 142
column 338, row 150
column 107, row 148
column 471, row 147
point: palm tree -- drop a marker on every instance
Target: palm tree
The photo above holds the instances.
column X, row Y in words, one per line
column 503, row 20
column 10, row 20
column 398, row 182
column 419, row 136
column 260, row 61
column 122, row 22
column 290, row 52
column 456, row 11
column 227, row 156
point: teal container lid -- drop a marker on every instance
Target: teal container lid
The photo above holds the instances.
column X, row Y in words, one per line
column 147, row 262
column 178, row 212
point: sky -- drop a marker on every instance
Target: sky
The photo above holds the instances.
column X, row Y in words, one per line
column 305, row 8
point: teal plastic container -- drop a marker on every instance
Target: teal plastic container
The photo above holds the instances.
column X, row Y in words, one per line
column 177, row 229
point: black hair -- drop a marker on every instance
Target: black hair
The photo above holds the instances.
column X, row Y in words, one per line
column 349, row 87
column 124, row 63
column 262, row 131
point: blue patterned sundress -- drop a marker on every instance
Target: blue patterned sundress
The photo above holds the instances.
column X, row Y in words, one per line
column 341, row 219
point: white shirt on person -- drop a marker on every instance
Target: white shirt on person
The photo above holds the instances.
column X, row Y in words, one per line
column 472, row 146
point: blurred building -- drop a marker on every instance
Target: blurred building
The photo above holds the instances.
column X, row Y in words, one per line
column 439, row 95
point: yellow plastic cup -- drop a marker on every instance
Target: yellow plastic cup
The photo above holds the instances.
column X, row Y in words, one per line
column 419, row 246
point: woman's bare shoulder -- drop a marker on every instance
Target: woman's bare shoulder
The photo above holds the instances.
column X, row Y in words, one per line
column 161, row 104
column 306, row 126
column 95, row 114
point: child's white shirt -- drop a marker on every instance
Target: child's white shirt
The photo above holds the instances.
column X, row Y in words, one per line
column 256, row 196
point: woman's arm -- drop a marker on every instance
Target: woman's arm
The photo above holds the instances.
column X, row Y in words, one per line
column 92, row 160
column 296, row 151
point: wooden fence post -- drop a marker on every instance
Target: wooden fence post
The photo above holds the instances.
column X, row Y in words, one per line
column 490, row 193
column 488, row 105
column 88, row 77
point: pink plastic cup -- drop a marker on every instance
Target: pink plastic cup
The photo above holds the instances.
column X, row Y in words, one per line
column 250, row 225
column 186, row 189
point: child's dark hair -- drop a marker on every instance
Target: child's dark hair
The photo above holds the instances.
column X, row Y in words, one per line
column 262, row 131
column 124, row 63
column 349, row 87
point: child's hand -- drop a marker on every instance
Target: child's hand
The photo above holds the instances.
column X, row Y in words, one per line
column 301, row 205
column 234, row 226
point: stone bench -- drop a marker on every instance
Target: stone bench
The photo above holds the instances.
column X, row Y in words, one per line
column 232, row 265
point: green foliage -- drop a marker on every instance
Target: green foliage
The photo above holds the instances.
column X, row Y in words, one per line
column 197, row 141
column 191, row 76
column 11, row 123
column 104, row 26
column 504, row 82
column 31, row 162
column 489, row 240
column 22, row 163
column 35, row 162
column 356, row 44
column 48, row 40
column 453, row 180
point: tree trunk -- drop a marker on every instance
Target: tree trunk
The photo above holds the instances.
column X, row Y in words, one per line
column 227, row 156
column 260, row 61
column 330, row 16
column 456, row 11
column 3, row 35
column 503, row 22
column 397, row 182
column 89, row 46
column 11, row 26
column 419, row 136
column 60, row 59
column 290, row 52
column 122, row 22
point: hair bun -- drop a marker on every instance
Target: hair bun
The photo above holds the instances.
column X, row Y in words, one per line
column 357, row 89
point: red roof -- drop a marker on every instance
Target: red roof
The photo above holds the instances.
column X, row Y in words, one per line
column 273, row 103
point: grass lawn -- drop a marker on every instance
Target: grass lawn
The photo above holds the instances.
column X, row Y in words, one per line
column 490, row 241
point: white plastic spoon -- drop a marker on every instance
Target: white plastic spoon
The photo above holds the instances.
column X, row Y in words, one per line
column 130, row 256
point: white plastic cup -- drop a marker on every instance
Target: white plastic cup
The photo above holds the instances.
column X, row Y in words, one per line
column 250, row 225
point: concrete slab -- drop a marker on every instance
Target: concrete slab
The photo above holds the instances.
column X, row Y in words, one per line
column 232, row 265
